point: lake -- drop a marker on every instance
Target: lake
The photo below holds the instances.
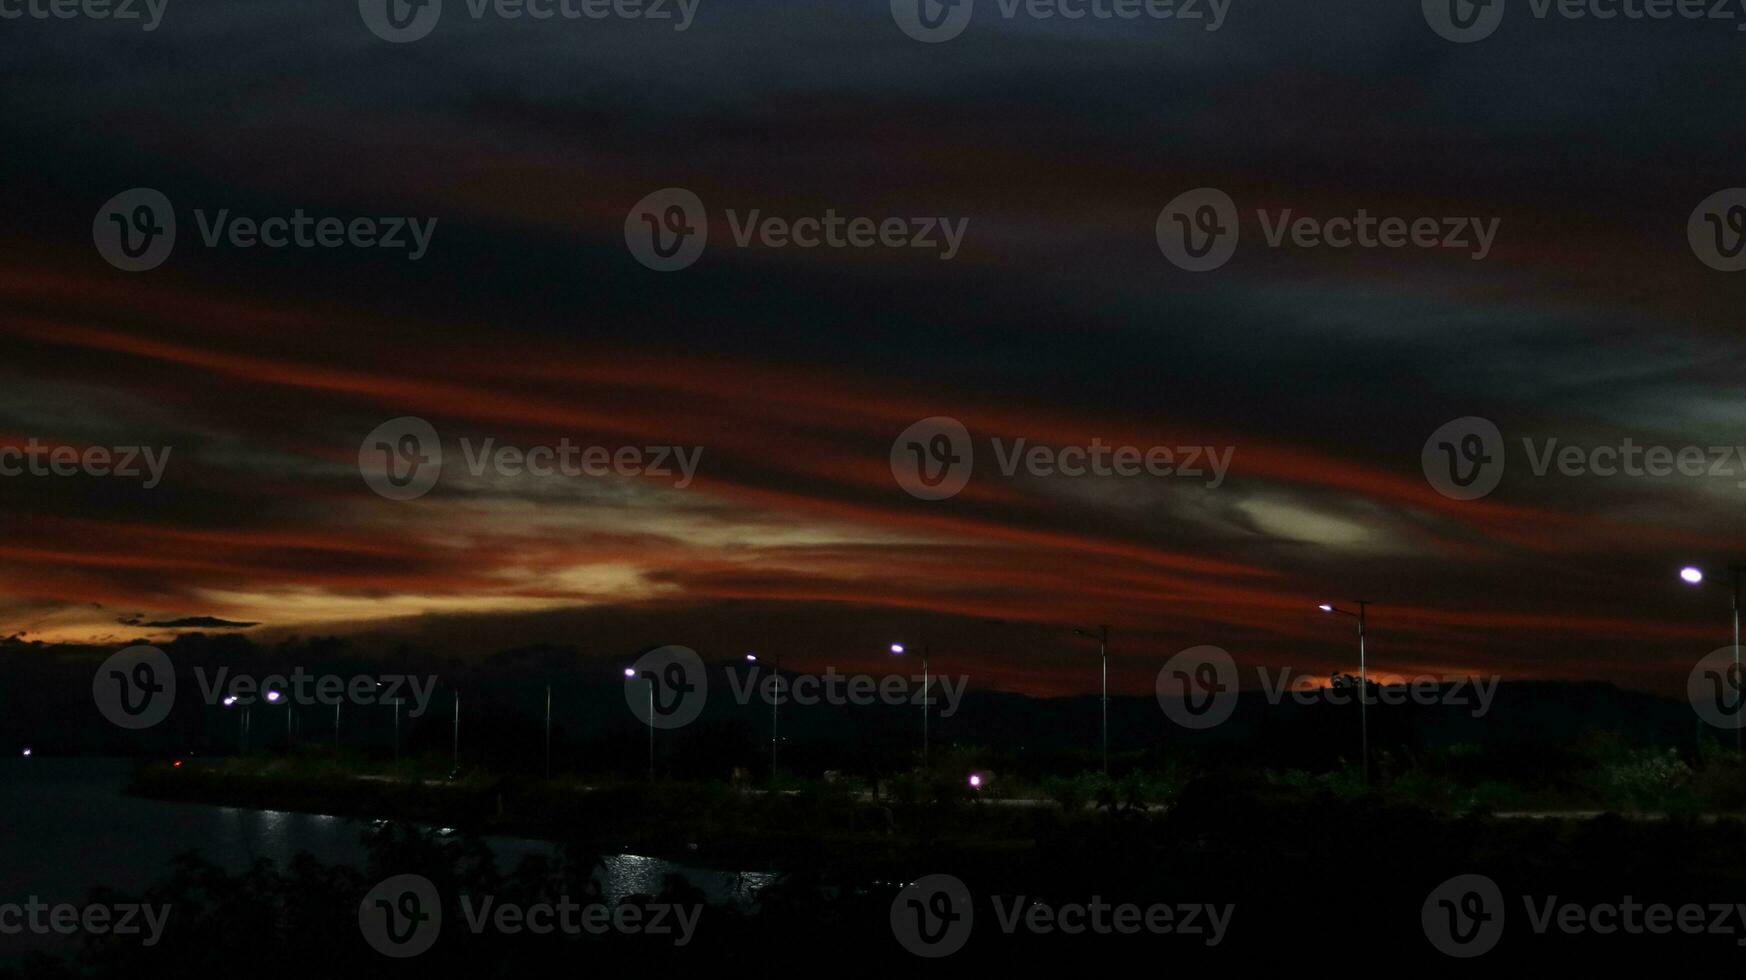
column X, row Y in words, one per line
column 68, row 827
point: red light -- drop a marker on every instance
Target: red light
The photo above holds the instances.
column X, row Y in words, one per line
column 177, row 764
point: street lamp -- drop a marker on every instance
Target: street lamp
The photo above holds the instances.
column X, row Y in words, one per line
column 775, row 702
column 242, row 723
column 897, row 649
column 1102, row 635
column 1363, row 676
column 274, row 697
column 631, row 673
column 1693, row 575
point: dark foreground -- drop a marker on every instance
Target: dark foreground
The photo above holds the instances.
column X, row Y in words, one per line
column 1231, row 873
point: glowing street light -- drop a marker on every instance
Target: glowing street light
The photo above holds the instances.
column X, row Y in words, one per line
column 1693, row 575
column 1363, row 677
column 975, row 781
column 775, row 702
column 27, row 753
column 242, row 722
column 274, row 697
column 630, row 673
column 897, row 649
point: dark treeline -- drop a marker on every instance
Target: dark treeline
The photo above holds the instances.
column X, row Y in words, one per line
column 46, row 703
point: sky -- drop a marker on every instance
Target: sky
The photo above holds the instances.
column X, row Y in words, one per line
column 1322, row 372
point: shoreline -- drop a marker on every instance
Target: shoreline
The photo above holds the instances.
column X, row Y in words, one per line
column 705, row 826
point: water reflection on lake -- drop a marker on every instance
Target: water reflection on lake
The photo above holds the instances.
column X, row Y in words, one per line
column 69, row 828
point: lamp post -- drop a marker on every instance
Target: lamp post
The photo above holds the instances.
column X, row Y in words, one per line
column 274, row 697
column 1363, row 677
column 396, row 703
column 775, row 702
column 1693, row 575
column 1102, row 635
column 548, row 731
column 898, row 649
column 631, row 672
column 457, row 735
column 242, row 737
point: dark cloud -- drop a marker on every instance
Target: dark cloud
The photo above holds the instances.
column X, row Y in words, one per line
column 1060, row 323
column 189, row 622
